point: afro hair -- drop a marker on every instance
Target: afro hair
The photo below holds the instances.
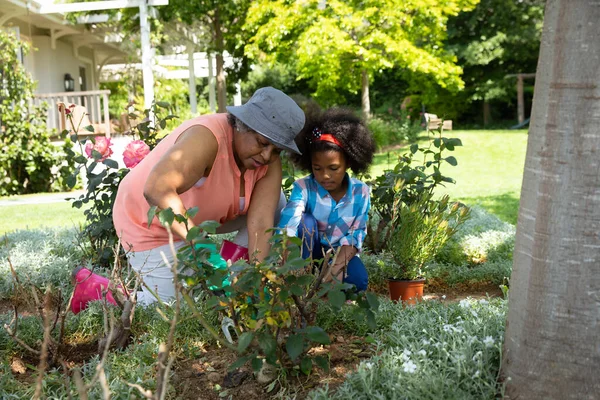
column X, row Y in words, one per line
column 356, row 140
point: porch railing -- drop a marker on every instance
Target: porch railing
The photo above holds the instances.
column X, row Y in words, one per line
column 95, row 102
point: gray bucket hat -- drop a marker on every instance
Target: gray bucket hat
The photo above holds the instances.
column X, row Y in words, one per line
column 274, row 115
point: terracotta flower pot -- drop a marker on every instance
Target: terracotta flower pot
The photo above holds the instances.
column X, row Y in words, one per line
column 406, row 290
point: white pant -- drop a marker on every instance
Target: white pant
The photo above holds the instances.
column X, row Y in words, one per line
column 158, row 275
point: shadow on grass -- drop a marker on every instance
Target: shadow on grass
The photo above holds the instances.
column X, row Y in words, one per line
column 505, row 206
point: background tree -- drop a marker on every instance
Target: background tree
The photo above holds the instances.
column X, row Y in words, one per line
column 341, row 45
column 551, row 342
column 221, row 32
column 496, row 38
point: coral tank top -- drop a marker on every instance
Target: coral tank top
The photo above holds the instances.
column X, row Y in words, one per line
column 217, row 198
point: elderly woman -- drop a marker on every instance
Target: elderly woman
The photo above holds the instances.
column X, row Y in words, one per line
column 227, row 165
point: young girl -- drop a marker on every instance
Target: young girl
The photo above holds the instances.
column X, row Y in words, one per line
column 328, row 208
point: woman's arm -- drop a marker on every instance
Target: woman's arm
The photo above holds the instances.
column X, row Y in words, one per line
column 188, row 160
column 261, row 212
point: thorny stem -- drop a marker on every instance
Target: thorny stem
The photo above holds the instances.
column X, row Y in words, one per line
column 13, row 334
column 163, row 354
column 206, row 325
column 43, row 364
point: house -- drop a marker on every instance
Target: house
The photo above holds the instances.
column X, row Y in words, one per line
column 65, row 60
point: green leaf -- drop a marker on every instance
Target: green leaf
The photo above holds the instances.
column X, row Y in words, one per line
column 111, row 163
column 318, row 335
column 297, row 290
column 437, row 142
column 305, row 280
column 373, row 300
column 322, row 362
column 244, row 341
column 371, row 323
column 294, row 346
column 306, row 365
column 452, row 161
column 163, row 104
column 267, row 343
column 81, row 159
column 192, row 233
column 336, row 298
column 166, row 217
column 151, row 214
column 239, row 362
column 181, row 219
column 96, row 155
column 210, row 226
column 71, row 180
column 284, row 294
column 414, row 148
column 191, row 213
column 257, row 364
column 89, row 128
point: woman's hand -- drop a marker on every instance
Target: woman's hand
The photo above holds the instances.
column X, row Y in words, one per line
column 345, row 254
column 188, row 160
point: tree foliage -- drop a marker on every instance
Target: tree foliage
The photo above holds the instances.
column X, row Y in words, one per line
column 332, row 43
column 29, row 162
column 496, row 38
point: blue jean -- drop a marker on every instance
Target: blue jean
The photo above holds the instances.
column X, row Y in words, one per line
column 356, row 273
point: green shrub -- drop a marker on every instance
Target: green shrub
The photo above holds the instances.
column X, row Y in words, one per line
column 39, row 256
column 484, row 237
column 29, row 162
column 414, row 177
column 389, row 131
column 432, row 351
column 491, row 273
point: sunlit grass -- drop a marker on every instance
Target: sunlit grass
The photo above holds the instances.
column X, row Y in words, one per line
column 489, row 171
column 31, row 216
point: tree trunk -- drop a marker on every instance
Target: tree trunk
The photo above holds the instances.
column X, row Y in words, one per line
column 551, row 346
column 487, row 113
column 366, row 103
column 221, row 88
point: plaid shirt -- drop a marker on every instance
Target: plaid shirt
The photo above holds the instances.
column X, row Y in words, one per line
column 340, row 224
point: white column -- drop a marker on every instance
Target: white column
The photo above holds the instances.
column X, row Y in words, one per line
column 147, row 56
column 192, row 79
column 212, row 98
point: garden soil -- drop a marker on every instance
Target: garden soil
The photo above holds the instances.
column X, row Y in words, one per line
column 207, row 376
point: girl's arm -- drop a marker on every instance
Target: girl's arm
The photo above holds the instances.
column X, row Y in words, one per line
column 292, row 213
column 261, row 212
column 178, row 169
column 357, row 232
column 351, row 244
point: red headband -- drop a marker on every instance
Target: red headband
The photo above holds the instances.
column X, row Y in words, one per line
column 318, row 135
column 328, row 137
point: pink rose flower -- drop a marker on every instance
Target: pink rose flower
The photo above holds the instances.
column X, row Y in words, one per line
column 102, row 145
column 135, row 152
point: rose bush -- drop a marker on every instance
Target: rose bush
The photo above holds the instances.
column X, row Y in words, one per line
column 100, row 144
column 102, row 183
column 135, row 152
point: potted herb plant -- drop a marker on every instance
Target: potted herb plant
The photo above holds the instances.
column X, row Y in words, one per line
column 418, row 231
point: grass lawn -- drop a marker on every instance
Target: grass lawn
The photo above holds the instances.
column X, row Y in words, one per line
column 29, row 216
column 489, row 171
